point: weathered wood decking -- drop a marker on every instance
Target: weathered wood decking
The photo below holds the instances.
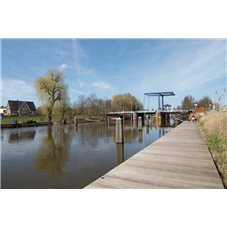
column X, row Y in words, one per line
column 180, row 159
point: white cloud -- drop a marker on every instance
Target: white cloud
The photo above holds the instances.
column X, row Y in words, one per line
column 81, row 60
column 15, row 89
column 62, row 66
column 80, row 83
column 78, row 53
column 101, row 85
column 186, row 70
column 85, row 71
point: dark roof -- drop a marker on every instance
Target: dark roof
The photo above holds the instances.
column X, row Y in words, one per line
column 15, row 105
column 31, row 105
column 164, row 93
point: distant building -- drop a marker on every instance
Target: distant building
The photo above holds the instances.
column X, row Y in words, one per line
column 199, row 110
column 224, row 108
column 19, row 108
column 2, row 110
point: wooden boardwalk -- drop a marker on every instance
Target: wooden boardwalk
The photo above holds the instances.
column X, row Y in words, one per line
column 180, row 159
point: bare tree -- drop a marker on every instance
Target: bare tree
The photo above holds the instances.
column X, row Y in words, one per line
column 188, row 103
column 205, row 102
column 81, row 104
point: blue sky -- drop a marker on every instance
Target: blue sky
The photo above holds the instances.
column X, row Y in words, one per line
column 111, row 66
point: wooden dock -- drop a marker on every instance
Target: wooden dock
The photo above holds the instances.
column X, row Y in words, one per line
column 180, row 159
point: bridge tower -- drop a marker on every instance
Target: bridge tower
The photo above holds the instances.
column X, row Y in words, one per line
column 160, row 96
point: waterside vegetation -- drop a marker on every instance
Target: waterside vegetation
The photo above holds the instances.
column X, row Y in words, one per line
column 214, row 130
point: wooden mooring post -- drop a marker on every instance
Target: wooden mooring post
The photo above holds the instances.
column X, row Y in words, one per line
column 140, row 124
column 108, row 121
column 134, row 116
column 119, row 130
column 147, row 120
column 75, row 121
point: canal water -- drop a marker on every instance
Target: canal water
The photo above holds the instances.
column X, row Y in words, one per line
column 67, row 156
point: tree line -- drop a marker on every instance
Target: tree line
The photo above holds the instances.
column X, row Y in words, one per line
column 190, row 103
column 91, row 105
column 53, row 94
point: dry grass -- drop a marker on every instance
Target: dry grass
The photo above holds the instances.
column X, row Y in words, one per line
column 214, row 128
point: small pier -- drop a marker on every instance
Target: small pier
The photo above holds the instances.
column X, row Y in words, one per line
column 180, row 159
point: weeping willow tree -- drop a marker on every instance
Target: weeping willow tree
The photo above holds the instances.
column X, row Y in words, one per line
column 63, row 105
column 51, row 91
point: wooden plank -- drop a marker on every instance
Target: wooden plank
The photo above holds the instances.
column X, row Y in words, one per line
column 180, row 159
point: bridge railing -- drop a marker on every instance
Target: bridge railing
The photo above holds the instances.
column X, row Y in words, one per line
column 146, row 111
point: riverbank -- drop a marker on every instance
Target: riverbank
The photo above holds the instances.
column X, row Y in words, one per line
column 213, row 127
column 36, row 124
column 39, row 120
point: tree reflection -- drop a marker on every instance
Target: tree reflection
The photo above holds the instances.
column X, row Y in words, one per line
column 129, row 134
column 92, row 133
column 54, row 149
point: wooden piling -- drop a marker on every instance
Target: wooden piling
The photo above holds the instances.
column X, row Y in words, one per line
column 123, row 120
column 135, row 116
column 108, row 121
column 139, row 124
column 119, row 131
column 147, row 120
column 75, row 121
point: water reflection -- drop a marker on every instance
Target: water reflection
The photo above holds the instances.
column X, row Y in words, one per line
column 16, row 137
column 91, row 134
column 147, row 129
column 161, row 132
column 64, row 157
column 130, row 134
column 140, row 136
column 53, row 151
column 134, row 124
column 120, row 153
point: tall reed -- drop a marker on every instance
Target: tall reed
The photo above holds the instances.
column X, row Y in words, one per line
column 214, row 129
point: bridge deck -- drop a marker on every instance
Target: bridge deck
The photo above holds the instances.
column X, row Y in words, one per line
column 180, row 159
column 145, row 112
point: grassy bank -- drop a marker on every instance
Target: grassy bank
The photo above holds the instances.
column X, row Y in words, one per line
column 10, row 119
column 214, row 129
column 56, row 118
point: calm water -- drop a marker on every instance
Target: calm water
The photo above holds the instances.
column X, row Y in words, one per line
column 66, row 156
